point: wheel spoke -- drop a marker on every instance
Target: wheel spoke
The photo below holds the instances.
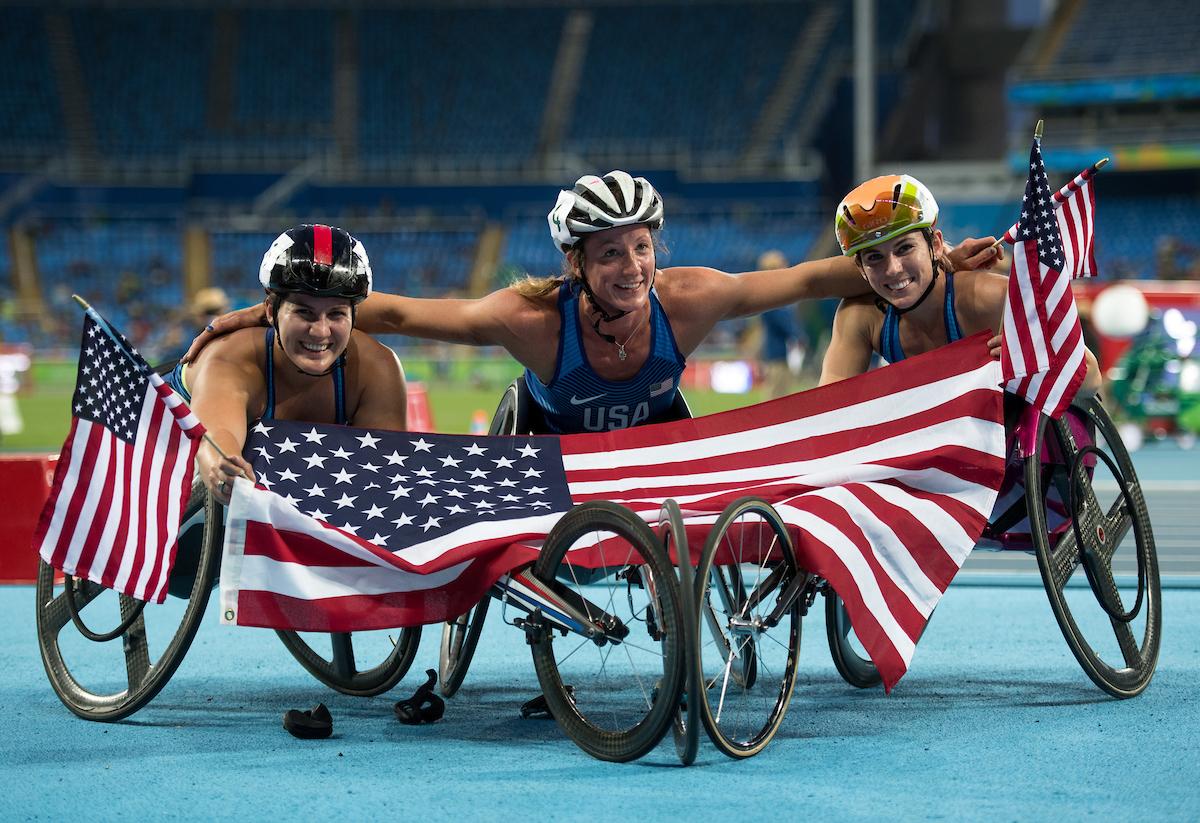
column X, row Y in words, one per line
column 1128, row 644
column 1064, row 560
column 343, row 654
column 137, row 649
column 1117, row 524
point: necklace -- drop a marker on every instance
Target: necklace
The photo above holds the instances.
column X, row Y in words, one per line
column 621, row 354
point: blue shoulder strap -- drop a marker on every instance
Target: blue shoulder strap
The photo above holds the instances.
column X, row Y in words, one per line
column 889, row 337
column 269, row 411
column 953, row 332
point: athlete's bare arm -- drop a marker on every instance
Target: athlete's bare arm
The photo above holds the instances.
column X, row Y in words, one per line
column 383, row 394
column 227, row 386
column 852, row 341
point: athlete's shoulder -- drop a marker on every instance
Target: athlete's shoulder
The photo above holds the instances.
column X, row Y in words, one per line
column 979, row 298
column 243, row 346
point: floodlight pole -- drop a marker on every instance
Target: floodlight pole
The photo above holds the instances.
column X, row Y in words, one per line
column 864, row 90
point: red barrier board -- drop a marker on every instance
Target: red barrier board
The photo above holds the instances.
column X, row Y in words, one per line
column 420, row 416
column 24, row 486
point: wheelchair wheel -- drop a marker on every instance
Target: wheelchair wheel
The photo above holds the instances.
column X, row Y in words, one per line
column 1082, row 469
column 686, row 725
column 752, row 596
column 339, row 669
column 614, row 694
column 515, row 414
column 111, row 686
column 459, row 639
column 849, row 657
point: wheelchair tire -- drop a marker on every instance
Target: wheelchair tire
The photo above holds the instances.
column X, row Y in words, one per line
column 460, row 636
column 339, row 669
column 614, row 695
column 686, row 723
column 132, row 679
column 1096, row 535
column 742, row 714
column 459, row 639
column 855, row 669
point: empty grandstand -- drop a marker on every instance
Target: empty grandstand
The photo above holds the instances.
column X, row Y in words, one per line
column 148, row 148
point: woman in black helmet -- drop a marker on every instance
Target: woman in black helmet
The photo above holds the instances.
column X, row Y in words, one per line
column 310, row 364
column 604, row 344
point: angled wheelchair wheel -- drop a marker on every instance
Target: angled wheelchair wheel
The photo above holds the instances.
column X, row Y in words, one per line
column 339, row 668
column 459, row 639
column 515, row 414
column 108, row 655
column 1095, row 548
column 751, row 597
column 849, row 657
column 686, row 724
column 614, row 693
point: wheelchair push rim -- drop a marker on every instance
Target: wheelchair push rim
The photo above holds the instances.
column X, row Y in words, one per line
column 110, row 679
column 1100, row 629
column 853, row 665
column 614, row 693
column 685, row 726
column 751, row 596
column 339, row 669
column 459, row 640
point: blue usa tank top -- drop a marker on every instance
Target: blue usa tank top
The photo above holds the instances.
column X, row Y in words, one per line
column 577, row 399
column 889, row 336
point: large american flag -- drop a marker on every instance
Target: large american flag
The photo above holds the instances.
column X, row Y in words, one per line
column 887, row 480
column 124, row 472
column 1043, row 353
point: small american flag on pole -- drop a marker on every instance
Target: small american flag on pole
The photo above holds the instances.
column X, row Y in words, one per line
column 124, row 472
column 1043, row 355
column 887, row 480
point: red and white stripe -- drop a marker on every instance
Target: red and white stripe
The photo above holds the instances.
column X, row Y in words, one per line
column 887, row 479
column 114, row 509
column 1043, row 356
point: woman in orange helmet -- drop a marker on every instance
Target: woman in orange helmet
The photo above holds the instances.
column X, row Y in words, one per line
column 888, row 226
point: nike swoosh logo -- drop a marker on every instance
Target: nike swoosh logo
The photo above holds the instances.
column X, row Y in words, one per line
column 575, row 401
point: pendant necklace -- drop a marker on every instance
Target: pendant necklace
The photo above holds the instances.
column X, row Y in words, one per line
column 621, row 354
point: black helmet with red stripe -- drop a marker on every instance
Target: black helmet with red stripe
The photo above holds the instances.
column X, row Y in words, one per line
column 320, row 260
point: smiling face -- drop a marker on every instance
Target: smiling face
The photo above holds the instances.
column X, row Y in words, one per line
column 901, row 269
column 619, row 266
column 314, row 331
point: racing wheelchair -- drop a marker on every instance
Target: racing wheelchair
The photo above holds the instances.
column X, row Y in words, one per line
column 724, row 642
column 1071, row 497
column 112, row 684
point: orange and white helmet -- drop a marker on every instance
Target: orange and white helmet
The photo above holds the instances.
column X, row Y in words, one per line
column 599, row 203
column 883, row 208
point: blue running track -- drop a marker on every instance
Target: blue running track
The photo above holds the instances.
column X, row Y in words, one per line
column 995, row 721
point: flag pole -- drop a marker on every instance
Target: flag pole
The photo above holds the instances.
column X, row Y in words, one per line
column 1063, row 193
column 96, row 316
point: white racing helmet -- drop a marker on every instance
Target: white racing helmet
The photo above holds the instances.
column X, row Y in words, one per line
column 599, row 203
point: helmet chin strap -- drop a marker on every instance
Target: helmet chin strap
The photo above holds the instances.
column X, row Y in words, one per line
column 604, row 316
column 937, row 269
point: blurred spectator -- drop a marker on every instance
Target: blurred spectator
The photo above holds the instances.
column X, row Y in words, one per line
column 783, row 348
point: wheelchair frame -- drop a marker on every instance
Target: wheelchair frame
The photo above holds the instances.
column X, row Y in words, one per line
column 719, row 644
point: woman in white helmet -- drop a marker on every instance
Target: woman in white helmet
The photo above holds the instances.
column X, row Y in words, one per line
column 311, row 363
column 604, row 344
column 887, row 225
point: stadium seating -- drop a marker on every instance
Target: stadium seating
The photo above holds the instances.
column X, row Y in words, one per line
column 30, row 125
column 237, row 101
